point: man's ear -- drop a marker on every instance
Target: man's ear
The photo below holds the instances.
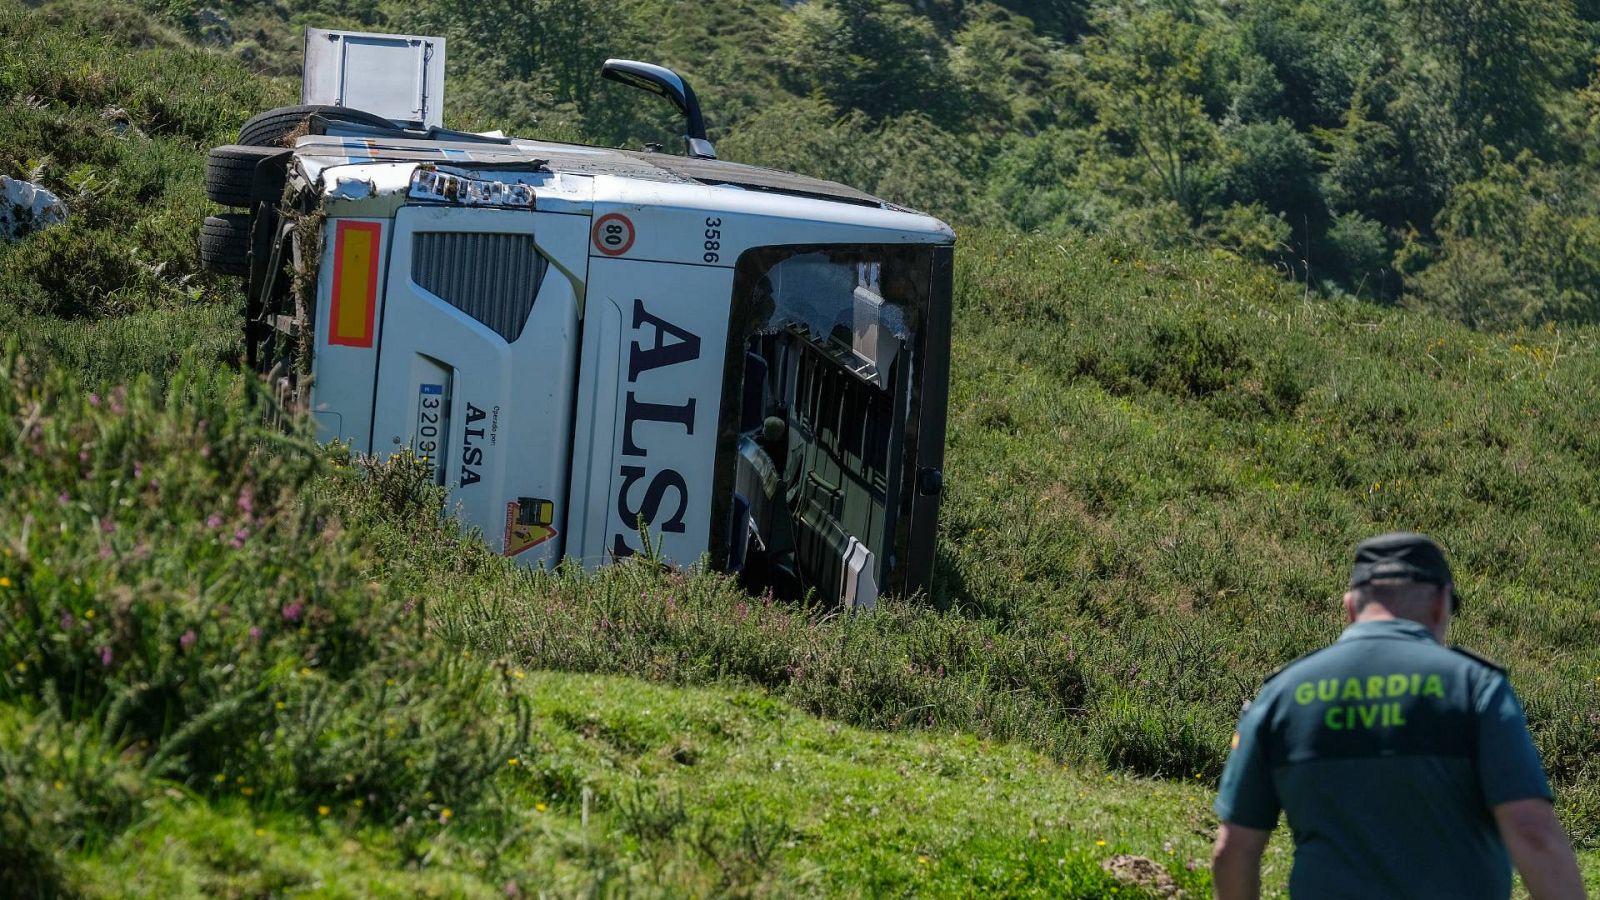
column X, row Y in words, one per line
column 1349, row 603
column 1441, row 605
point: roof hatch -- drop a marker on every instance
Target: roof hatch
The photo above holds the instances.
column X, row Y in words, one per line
column 397, row 76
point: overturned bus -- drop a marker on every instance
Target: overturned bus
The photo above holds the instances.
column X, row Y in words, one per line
column 595, row 348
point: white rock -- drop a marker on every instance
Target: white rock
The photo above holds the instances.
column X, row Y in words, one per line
column 26, row 207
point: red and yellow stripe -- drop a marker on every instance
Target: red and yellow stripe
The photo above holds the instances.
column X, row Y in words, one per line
column 356, row 248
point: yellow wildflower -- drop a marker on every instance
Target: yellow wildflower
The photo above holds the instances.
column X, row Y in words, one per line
column 513, row 761
column 247, row 790
column 22, row 667
column 922, row 860
column 1100, row 843
column 88, row 614
column 445, row 813
column 4, row 581
column 540, row 807
column 323, row 810
column 261, row 832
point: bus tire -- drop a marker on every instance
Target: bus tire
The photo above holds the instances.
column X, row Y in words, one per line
column 277, row 127
column 225, row 244
column 231, row 173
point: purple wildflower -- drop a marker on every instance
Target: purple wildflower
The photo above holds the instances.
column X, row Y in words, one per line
column 247, row 500
column 239, row 537
column 94, row 400
column 67, row 621
column 292, row 611
column 83, row 456
column 105, row 551
column 138, row 469
column 213, row 520
column 205, row 451
column 187, row 640
column 105, row 656
column 255, row 633
column 64, row 498
column 741, row 609
column 108, row 525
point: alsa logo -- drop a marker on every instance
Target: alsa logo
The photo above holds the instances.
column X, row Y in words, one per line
column 665, row 491
column 472, row 449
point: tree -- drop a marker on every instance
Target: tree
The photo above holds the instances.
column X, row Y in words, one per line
column 1520, row 245
column 871, row 55
column 1150, row 77
column 1483, row 72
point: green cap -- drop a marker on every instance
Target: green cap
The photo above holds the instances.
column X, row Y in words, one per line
column 1403, row 556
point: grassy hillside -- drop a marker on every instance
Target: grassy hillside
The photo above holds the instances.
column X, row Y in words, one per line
column 233, row 663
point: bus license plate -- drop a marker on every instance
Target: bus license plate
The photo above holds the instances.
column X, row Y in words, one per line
column 428, row 443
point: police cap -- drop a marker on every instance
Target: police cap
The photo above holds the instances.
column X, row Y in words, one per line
column 1403, row 556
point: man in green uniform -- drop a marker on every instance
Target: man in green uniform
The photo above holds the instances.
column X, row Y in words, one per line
column 1405, row 767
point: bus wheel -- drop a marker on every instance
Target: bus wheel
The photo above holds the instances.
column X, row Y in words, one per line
column 225, row 244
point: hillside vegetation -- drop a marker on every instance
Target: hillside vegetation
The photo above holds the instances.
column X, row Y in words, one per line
column 1440, row 153
column 234, row 663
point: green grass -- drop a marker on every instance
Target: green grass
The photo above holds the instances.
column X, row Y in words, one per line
column 695, row 791
column 1168, row 459
column 1157, row 467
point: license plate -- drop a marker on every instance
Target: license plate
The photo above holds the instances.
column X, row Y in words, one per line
column 428, row 443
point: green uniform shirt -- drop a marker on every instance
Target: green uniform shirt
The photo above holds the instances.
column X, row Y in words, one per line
column 1387, row 751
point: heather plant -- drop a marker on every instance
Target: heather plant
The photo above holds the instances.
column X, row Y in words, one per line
column 169, row 598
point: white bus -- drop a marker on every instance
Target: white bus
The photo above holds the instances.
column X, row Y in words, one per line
column 592, row 347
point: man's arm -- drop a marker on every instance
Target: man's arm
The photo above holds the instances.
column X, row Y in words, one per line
column 1236, row 862
column 1247, row 806
column 1540, row 849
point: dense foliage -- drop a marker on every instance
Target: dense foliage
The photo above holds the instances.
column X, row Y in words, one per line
column 1159, row 456
column 1440, row 153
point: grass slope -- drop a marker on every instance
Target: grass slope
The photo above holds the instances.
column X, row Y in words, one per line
column 1157, row 467
column 696, row 791
column 1166, row 460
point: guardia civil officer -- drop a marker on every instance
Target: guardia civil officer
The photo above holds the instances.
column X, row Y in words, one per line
column 1405, row 767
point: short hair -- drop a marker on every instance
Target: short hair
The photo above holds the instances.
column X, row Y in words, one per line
column 1399, row 596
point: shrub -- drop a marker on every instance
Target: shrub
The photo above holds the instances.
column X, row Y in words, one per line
column 170, row 591
column 1358, row 254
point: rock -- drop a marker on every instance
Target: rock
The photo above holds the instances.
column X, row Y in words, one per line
column 1144, row 872
column 26, row 207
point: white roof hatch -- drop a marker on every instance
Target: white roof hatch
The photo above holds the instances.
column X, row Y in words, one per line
column 397, row 76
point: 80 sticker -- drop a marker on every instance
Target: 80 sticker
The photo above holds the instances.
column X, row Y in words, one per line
column 612, row 234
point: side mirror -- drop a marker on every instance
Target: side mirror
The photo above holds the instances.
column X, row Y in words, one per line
column 662, row 80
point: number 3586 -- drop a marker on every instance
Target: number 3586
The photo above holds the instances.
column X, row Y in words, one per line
column 713, row 239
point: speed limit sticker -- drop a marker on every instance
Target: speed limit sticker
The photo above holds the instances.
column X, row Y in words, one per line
column 612, row 234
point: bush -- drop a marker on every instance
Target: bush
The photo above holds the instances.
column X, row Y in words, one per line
column 1359, row 254
column 170, row 591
